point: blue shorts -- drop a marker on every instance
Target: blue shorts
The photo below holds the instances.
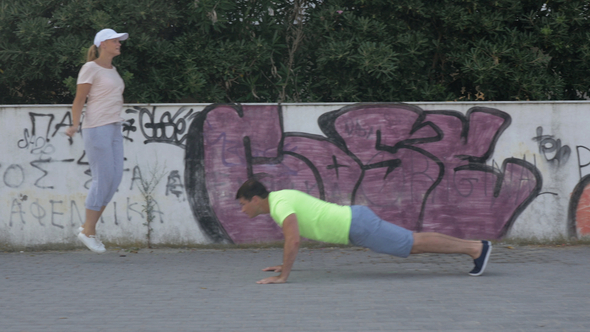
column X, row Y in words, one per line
column 369, row 231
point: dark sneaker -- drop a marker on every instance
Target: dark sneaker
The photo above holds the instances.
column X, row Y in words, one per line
column 482, row 260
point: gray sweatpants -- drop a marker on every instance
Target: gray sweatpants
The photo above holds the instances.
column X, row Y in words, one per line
column 104, row 150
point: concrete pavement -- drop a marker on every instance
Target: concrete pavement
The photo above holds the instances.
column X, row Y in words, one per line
column 331, row 289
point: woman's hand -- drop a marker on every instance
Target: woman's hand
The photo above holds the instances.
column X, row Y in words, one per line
column 71, row 130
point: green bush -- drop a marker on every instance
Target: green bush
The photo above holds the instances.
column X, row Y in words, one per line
column 302, row 51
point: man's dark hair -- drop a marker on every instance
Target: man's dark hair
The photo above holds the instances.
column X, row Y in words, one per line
column 250, row 189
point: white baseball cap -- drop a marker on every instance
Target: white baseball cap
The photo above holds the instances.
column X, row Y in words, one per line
column 106, row 34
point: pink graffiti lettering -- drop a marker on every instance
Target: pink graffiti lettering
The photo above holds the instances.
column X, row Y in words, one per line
column 423, row 170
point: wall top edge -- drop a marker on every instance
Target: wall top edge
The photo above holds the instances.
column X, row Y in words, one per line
column 323, row 104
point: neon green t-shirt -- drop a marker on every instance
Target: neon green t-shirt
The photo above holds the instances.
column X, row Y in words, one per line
column 318, row 220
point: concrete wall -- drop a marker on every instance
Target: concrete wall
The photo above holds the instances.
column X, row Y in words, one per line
column 473, row 170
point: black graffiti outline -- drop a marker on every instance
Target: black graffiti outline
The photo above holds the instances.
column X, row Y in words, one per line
column 54, row 213
column 500, row 176
column 40, row 209
column 115, row 213
column 37, row 164
column 172, row 184
column 40, row 145
column 535, row 164
column 580, row 166
column 128, row 126
column 73, row 205
column 130, row 208
column 548, row 144
column 194, row 177
column 20, row 211
column 58, row 126
column 158, row 211
column 335, row 166
column 25, row 139
column 327, row 123
column 33, row 117
column 179, row 123
column 22, row 172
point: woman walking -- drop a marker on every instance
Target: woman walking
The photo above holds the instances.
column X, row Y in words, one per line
column 100, row 83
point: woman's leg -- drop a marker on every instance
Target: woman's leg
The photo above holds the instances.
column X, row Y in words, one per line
column 100, row 154
column 91, row 221
column 118, row 158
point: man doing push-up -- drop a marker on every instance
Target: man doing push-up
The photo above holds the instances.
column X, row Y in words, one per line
column 300, row 214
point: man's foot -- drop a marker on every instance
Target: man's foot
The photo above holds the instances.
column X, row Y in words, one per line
column 482, row 260
column 92, row 243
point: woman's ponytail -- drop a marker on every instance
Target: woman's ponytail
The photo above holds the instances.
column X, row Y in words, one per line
column 92, row 53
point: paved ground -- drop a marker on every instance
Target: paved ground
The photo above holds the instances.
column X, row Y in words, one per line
column 331, row 289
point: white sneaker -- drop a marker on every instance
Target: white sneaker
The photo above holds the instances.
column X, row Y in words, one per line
column 92, row 243
column 100, row 244
column 80, row 229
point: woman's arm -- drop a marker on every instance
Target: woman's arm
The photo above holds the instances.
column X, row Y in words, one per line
column 82, row 91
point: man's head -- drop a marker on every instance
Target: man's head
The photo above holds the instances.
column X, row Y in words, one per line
column 253, row 198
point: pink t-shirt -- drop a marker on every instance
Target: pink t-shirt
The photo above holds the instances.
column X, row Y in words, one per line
column 105, row 99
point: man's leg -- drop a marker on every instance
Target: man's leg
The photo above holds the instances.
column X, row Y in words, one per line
column 370, row 231
column 444, row 244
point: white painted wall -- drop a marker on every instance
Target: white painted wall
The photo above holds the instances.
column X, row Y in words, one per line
column 42, row 183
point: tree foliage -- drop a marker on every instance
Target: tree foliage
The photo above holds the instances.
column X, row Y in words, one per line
column 302, row 50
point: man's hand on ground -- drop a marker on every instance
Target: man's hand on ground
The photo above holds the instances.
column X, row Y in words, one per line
column 277, row 268
column 272, row 280
column 292, row 238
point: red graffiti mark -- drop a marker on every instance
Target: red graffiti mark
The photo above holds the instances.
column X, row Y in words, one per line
column 579, row 209
column 583, row 213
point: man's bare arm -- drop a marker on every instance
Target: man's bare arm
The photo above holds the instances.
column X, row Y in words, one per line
column 292, row 239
